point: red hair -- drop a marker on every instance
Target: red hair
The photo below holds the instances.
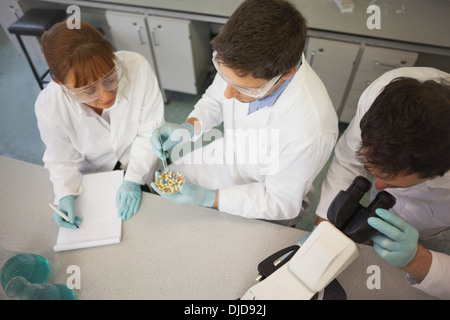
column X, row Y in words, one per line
column 85, row 52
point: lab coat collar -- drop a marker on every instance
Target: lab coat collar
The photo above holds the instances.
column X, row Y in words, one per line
column 284, row 103
column 118, row 109
column 269, row 100
column 439, row 182
column 428, row 185
column 259, row 118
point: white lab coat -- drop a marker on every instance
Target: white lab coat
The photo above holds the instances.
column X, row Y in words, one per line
column 80, row 141
column 425, row 206
column 297, row 133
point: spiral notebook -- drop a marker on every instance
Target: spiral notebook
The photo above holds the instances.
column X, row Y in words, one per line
column 97, row 206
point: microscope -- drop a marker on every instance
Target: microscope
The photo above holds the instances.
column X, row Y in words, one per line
column 300, row 272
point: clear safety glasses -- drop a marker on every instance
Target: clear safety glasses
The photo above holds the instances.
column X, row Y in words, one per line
column 94, row 90
column 251, row 92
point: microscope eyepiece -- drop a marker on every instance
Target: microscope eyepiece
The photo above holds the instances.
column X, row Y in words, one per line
column 383, row 200
column 359, row 187
column 349, row 216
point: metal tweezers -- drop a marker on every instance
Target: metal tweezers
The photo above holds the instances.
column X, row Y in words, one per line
column 163, row 159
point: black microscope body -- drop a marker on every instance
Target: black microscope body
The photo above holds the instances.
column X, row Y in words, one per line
column 349, row 216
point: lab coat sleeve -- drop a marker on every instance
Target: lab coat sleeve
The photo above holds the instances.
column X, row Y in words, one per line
column 280, row 196
column 208, row 110
column 436, row 282
column 60, row 158
column 143, row 161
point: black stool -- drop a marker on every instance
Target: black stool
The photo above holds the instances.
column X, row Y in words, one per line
column 34, row 23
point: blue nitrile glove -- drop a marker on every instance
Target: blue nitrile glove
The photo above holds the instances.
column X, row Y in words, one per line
column 128, row 199
column 305, row 237
column 188, row 194
column 398, row 242
column 299, row 243
column 170, row 137
column 67, row 205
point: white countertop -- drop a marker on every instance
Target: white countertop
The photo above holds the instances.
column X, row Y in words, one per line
column 167, row 251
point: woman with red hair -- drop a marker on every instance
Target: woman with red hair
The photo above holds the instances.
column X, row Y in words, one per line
column 96, row 115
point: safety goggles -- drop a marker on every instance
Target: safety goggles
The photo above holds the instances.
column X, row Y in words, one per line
column 94, row 90
column 251, row 92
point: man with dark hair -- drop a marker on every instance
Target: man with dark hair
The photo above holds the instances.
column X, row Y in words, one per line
column 401, row 137
column 279, row 123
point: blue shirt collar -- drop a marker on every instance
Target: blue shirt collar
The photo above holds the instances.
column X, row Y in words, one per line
column 270, row 100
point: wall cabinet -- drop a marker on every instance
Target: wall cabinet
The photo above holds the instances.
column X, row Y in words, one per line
column 178, row 50
column 347, row 69
column 182, row 52
column 333, row 62
column 374, row 62
column 129, row 32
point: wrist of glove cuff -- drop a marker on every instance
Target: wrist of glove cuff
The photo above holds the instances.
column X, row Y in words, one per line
column 189, row 127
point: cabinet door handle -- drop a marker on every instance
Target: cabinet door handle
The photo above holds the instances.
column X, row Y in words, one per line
column 387, row 65
column 141, row 38
column 155, row 37
column 313, row 54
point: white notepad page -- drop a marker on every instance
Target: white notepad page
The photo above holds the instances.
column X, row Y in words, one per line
column 97, row 206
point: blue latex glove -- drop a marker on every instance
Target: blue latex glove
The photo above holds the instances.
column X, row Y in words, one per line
column 299, row 243
column 170, row 137
column 128, row 199
column 67, row 205
column 397, row 243
column 189, row 194
column 305, row 237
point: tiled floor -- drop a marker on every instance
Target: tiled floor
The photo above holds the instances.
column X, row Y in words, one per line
column 19, row 135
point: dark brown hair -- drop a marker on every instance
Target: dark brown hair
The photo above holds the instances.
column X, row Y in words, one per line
column 84, row 51
column 407, row 129
column 262, row 38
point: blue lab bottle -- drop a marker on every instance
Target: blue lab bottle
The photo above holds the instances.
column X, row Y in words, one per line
column 20, row 288
column 34, row 268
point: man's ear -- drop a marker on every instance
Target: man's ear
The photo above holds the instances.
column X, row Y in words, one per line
column 293, row 70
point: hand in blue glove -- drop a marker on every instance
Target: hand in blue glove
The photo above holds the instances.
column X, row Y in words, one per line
column 171, row 135
column 128, row 199
column 305, row 237
column 189, row 194
column 397, row 243
column 298, row 243
column 67, row 205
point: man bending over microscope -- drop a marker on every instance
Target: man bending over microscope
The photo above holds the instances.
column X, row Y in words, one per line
column 400, row 136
